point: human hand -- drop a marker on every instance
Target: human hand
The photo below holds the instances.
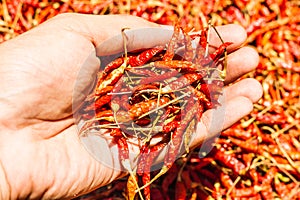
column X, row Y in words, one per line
column 40, row 151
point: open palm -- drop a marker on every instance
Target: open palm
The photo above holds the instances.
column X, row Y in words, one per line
column 41, row 155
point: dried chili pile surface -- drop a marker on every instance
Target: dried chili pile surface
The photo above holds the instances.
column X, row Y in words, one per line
column 259, row 157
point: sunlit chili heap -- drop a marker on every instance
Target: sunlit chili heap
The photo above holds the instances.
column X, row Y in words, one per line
column 258, row 158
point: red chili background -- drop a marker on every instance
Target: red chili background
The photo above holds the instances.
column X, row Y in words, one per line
column 257, row 158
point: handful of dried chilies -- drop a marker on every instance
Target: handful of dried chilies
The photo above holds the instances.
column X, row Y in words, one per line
column 155, row 97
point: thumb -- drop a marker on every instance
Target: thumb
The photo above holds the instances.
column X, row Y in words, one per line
column 102, row 36
column 98, row 29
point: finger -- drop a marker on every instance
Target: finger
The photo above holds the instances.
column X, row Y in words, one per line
column 228, row 33
column 77, row 35
column 100, row 28
column 238, row 102
column 241, row 62
column 85, row 77
column 214, row 121
column 249, row 88
column 244, row 105
column 135, row 39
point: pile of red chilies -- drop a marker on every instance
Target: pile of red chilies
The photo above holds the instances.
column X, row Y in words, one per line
column 258, row 158
column 155, row 97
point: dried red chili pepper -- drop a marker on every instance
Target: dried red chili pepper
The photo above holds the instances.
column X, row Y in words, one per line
column 147, row 161
column 169, row 179
column 226, row 180
column 156, row 194
column 237, row 132
column 186, row 179
column 160, row 77
column 230, row 161
column 180, row 190
column 144, row 57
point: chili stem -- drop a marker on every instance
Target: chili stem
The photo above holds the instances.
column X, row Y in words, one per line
column 164, row 105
